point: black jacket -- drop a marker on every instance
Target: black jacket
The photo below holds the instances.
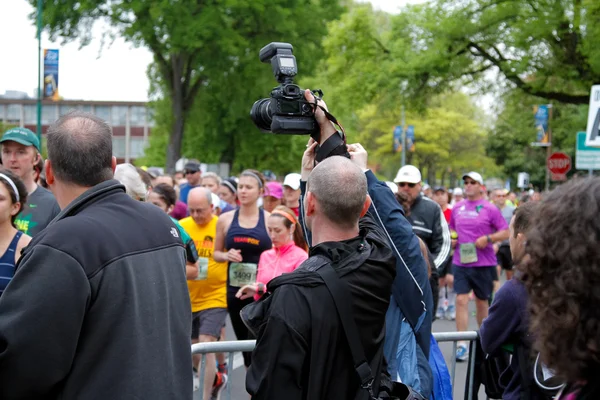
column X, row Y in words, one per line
column 428, row 222
column 99, row 306
column 302, row 351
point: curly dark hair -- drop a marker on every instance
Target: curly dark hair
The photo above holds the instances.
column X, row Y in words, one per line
column 563, row 279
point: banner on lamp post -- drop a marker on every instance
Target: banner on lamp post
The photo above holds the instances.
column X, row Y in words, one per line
column 50, row 83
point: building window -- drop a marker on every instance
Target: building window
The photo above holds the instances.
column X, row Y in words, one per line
column 30, row 114
column 14, row 113
column 119, row 115
column 48, row 114
column 138, row 116
column 63, row 109
column 137, row 147
column 103, row 112
column 118, row 143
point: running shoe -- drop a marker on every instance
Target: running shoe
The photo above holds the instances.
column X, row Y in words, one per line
column 221, row 382
column 450, row 313
column 462, row 353
column 440, row 313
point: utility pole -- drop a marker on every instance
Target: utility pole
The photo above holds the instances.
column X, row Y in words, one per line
column 39, row 99
column 549, row 148
column 403, row 124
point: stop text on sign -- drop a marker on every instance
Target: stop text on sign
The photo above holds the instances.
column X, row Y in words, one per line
column 558, row 163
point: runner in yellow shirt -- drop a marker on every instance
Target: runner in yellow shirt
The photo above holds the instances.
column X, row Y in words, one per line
column 208, row 292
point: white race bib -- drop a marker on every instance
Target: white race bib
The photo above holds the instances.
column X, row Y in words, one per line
column 241, row 274
column 468, row 253
column 202, row 269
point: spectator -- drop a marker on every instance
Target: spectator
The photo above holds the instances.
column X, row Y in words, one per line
column 290, row 352
column 507, row 322
column 20, row 154
column 562, row 278
column 118, row 311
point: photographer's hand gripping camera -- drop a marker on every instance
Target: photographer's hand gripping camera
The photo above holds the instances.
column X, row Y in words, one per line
column 287, row 111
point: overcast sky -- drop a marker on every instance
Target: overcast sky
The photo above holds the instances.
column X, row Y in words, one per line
column 117, row 72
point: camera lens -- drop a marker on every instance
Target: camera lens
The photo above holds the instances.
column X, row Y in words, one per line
column 261, row 114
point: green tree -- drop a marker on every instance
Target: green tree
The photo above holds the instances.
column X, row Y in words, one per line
column 545, row 48
column 450, row 139
column 199, row 48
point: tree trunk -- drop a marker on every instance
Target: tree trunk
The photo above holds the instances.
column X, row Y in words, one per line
column 177, row 107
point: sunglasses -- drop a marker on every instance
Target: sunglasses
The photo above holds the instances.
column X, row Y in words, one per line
column 188, row 172
column 410, row 185
column 471, row 183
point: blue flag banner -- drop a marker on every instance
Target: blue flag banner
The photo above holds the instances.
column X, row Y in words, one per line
column 541, row 117
column 50, row 88
column 398, row 131
column 410, row 138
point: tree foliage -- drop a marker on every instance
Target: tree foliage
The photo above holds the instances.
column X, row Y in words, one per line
column 205, row 55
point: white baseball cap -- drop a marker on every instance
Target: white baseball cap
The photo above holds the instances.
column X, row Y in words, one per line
column 457, row 192
column 216, row 201
column 292, row 180
column 392, row 186
column 408, row 174
column 475, row 176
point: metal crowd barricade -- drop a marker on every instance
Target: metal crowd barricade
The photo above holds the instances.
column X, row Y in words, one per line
column 233, row 347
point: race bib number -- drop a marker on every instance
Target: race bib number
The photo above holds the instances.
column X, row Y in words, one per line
column 202, row 269
column 468, row 253
column 241, row 274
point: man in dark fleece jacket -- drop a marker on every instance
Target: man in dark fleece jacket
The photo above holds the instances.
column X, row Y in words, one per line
column 508, row 315
column 99, row 306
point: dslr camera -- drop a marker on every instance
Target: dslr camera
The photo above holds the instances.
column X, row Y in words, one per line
column 286, row 111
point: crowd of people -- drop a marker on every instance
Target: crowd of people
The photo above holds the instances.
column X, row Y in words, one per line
column 109, row 274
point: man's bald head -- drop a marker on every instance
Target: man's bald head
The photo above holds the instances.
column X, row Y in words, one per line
column 340, row 188
column 200, row 205
column 80, row 149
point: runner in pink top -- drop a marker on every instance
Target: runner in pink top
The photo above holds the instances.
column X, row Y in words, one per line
column 288, row 252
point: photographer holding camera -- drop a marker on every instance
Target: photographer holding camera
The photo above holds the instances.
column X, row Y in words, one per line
column 309, row 341
column 302, row 351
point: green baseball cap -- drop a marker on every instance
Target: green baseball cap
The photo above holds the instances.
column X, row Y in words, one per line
column 23, row 136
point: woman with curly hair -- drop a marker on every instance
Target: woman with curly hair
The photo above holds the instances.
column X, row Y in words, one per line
column 563, row 281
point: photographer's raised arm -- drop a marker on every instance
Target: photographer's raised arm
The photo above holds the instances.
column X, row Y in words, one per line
column 410, row 265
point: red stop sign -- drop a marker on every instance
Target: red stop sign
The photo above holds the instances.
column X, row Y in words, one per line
column 559, row 163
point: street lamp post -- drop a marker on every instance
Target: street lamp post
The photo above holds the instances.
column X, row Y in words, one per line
column 39, row 79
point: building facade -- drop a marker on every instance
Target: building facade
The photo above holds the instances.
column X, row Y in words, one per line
column 131, row 121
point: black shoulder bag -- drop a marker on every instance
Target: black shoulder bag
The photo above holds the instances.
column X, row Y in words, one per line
column 342, row 300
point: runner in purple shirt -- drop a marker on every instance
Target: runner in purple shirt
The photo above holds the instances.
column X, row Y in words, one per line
column 478, row 224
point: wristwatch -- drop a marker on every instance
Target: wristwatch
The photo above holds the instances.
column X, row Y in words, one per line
column 489, row 238
column 260, row 289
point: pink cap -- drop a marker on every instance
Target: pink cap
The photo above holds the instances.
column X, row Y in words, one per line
column 274, row 189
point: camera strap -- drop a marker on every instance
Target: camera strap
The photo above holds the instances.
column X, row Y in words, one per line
column 335, row 145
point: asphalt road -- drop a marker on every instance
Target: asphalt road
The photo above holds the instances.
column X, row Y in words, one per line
column 238, row 374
